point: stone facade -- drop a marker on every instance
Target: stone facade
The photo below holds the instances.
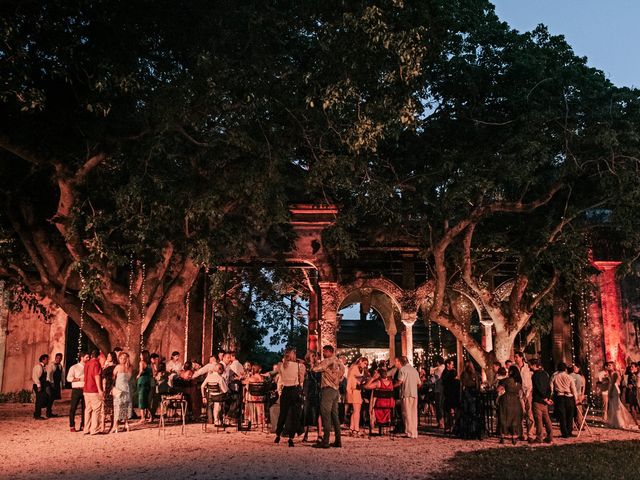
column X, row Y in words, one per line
column 26, row 336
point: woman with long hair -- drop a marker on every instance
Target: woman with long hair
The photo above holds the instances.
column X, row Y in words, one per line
column 110, row 363
column 510, row 405
column 617, row 414
column 311, row 389
column 254, row 406
column 292, row 379
column 470, row 424
column 381, row 407
column 122, row 406
column 355, row 378
column 144, row 385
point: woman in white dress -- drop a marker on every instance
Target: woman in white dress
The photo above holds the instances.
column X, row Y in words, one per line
column 617, row 414
column 122, row 405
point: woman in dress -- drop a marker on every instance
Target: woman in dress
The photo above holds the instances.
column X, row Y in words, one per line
column 292, row 378
column 110, row 364
column 122, row 406
column 254, row 406
column 450, row 395
column 470, row 424
column 144, row 385
column 354, row 393
column 510, row 405
column 617, row 414
column 311, row 389
column 381, row 407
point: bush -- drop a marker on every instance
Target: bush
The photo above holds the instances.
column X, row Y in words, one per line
column 21, row 396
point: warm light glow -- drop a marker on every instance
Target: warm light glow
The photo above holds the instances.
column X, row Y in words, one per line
column 611, row 312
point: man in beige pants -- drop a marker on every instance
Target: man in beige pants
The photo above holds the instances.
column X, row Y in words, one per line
column 408, row 381
column 93, row 395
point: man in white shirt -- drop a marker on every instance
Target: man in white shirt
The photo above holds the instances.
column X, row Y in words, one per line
column 580, row 383
column 76, row 377
column 40, row 384
column 408, row 381
column 212, row 366
column 55, row 377
column 215, row 375
column 527, row 393
column 233, row 365
column 174, row 365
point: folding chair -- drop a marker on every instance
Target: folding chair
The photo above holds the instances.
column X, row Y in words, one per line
column 584, row 424
column 258, row 395
column 174, row 402
column 215, row 396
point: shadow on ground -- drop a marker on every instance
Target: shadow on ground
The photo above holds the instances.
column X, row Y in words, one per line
column 602, row 460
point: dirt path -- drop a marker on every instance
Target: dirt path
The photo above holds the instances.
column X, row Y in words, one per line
column 32, row 449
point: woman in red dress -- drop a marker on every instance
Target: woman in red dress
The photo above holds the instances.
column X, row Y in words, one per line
column 381, row 407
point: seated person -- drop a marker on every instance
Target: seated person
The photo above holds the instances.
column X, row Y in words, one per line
column 254, row 405
column 214, row 377
column 162, row 380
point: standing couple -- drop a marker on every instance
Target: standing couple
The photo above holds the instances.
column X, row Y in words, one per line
column 617, row 414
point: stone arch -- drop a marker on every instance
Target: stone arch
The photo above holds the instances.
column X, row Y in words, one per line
column 367, row 286
column 503, row 290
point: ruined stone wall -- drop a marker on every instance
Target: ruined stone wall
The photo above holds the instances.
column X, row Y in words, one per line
column 27, row 336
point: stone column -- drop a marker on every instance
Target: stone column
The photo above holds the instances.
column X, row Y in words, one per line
column 408, row 319
column 313, row 325
column 4, row 319
column 330, row 302
column 459, row 356
column 611, row 308
column 488, row 334
column 392, row 345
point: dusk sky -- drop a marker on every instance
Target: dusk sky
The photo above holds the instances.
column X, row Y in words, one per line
column 605, row 31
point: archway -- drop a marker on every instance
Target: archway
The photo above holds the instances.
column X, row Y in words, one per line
column 370, row 318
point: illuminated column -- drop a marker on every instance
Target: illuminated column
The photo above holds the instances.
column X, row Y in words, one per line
column 329, row 318
column 4, row 319
column 392, row 341
column 488, row 334
column 408, row 319
column 313, row 325
column 610, row 306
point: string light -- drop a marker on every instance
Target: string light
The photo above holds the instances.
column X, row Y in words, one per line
column 429, row 344
column 142, row 306
column 129, row 306
column 204, row 314
column 186, row 325
column 571, row 327
column 82, row 307
column 588, row 334
column 440, row 346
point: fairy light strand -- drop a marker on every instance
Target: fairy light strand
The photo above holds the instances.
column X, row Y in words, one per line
column 571, row 332
column 82, row 308
column 143, row 302
column 130, row 304
column 186, row 325
column 204, row 315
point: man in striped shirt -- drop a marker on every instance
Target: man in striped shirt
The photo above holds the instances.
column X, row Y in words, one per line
column 332, row 372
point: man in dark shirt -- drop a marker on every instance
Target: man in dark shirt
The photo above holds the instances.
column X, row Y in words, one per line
column 541, row 399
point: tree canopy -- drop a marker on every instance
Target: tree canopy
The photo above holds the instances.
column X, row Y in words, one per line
column 176, row 135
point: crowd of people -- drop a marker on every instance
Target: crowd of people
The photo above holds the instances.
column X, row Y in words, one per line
column 327, row 392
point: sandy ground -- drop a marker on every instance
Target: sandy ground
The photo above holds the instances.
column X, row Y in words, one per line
column 31, row 449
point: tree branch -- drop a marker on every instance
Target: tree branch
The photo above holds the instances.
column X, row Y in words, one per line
column 545, row 291
column 88, row 167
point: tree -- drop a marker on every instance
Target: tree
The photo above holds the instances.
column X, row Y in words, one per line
column 517, row 144
column 138, row 142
